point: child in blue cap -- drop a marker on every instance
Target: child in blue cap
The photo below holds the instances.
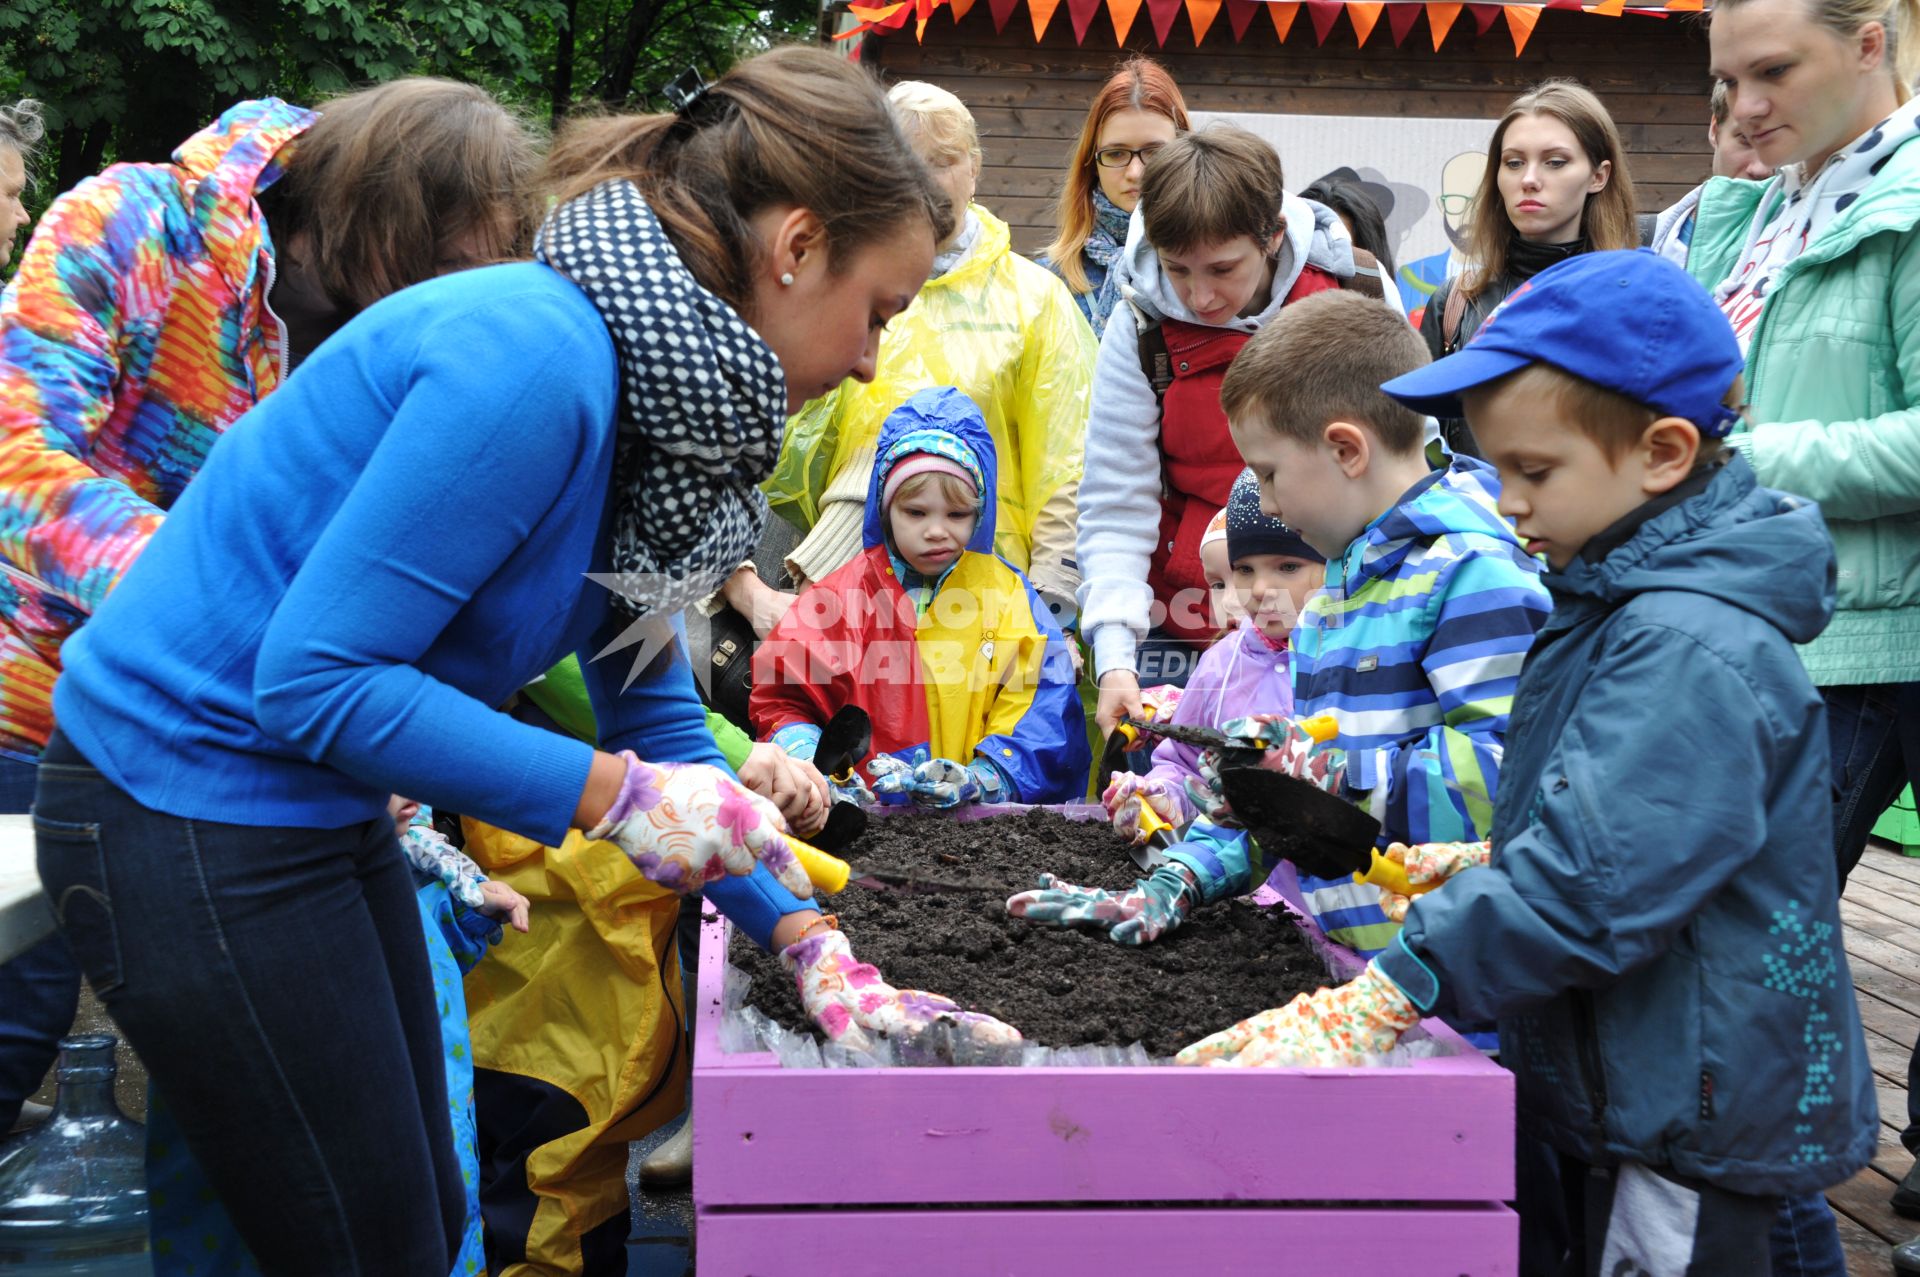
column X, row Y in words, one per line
column 1657, row 931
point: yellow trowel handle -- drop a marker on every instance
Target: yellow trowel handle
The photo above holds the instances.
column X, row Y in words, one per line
column 1392, row 876
column 829, row 873
column 1157, row 830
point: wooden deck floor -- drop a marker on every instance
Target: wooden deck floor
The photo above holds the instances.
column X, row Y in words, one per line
column 1881, row 911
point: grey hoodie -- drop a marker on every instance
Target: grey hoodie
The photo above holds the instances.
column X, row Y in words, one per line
column 1120, row 491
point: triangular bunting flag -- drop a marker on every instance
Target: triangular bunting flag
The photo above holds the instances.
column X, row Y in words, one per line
column 1080, row 13
column 1521, row 20
column 1162, row 12
column 1001, row 10
column 1123, row 12
column 1283, row 15
column 1440, row 20
column 1401, row 17
column 1200, row 15
column 1364, row 14
column 1608, row 8
column 1685, row 6
column 877, row 13
column 1484, row 16
column 1564, row 4
column 1041, row 11
column 1323, row 14
column 962, row 7
column 1240, row 16
column 922, row 10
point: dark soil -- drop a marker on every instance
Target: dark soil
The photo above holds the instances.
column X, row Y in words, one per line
column 1059, row 987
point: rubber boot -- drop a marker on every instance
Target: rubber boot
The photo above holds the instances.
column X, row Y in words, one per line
column 1906, row 1258
column 671, row 1164
column 1906, row 1198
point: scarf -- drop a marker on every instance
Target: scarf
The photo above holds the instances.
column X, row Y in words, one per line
column 1105, row 243
column 1525, row 259
column 949, row 261
column 702, row 402
column 1796, row 208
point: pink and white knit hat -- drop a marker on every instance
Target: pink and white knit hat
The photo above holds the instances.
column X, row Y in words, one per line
column 931, row 463
column 1216, row 530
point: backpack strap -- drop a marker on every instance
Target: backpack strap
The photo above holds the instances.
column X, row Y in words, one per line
column 1366, row 277
column 1456, row 310
column 1155, row 362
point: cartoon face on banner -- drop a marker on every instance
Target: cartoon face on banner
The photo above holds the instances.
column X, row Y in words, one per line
column 1422, row 172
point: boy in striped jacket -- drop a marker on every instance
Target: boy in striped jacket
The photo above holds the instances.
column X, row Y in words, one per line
column 1415, row 646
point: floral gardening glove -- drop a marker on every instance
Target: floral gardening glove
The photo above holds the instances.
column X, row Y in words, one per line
column 847, row 998
column 1330, row 1028
column 1126, row 791
column 1156, row 905
column 1293, row 746
column 939, row 783
column 686, row 824
column 1430, row 862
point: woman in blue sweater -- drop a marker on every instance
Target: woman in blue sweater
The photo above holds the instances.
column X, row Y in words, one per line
column 287, row 652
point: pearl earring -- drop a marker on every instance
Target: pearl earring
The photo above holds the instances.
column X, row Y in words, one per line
column 786, row 280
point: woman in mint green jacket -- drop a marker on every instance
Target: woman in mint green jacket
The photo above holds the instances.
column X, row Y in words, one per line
column 1818, row 269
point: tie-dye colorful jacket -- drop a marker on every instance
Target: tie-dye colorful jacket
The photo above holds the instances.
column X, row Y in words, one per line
column 134, row 333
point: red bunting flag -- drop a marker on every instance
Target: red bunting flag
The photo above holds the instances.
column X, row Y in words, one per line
column 1001, row 10
column 1240, row 16
column 1521, row 20
column 1323, row 14
column 1440, row 20
column 1484, row 16
column 1401, row 17
column 1080, row 14
column 1162, row 12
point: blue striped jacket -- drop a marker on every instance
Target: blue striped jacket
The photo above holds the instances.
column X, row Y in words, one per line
column 1415, row 647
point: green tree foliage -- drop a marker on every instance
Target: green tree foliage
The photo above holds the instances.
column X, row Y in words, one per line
column 128, row 79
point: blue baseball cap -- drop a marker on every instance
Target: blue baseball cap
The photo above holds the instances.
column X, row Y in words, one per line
column 1629, row 320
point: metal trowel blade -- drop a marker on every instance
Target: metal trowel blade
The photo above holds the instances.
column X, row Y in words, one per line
column 1319, row 832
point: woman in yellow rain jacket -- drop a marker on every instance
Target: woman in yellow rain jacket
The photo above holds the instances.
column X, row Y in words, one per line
column 992, row 324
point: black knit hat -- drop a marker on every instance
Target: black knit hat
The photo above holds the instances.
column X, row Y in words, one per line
column 1251, row 532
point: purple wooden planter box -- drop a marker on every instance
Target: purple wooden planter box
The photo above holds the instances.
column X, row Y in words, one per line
column 965, row 1172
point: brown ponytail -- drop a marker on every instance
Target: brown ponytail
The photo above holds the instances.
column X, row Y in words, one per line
column 793, row 126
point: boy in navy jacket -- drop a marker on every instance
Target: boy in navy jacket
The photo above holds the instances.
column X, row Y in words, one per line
column 1657, row 930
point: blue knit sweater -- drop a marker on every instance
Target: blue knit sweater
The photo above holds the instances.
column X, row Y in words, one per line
column 369, row 563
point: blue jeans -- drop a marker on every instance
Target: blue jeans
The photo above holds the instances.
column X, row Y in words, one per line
column 1874, row 733
column 1804, row 1240
column 275, row 983
column 39, row 989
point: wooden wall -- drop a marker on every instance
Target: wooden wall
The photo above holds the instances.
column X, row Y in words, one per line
column 1030, row 99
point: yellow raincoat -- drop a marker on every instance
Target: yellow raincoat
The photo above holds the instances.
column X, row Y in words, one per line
column 1005, row 332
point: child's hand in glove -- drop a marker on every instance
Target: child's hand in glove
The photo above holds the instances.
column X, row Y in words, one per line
column 687, row 824
column 1156, row 905
column 1330, row 1028
column 849, row 999
column 1430, row 862
column 939, row 783
column 1127, row 791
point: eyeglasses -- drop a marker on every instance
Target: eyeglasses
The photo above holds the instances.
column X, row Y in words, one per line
column 1121, row 156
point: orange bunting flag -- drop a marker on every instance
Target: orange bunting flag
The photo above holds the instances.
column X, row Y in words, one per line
column 1200, row 15
column 875, row 14
column 1123, row 12
column 1440, row 20
column 1400, row 20
column 1283, row 15
column 1240, row 17
column 1685, row 6
column 1608, row 8
column 962, row 7
column 1323, row 14
column 1364, row 14
column 1041, row 11
column 1521, row 19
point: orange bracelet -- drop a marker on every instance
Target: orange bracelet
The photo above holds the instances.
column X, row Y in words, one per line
column 832, row 921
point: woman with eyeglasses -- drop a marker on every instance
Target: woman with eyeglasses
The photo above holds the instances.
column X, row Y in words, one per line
column 1555, row 186
column 989, row 323
column 1138, row 111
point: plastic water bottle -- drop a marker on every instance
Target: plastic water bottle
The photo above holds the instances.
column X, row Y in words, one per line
column 73, row 1190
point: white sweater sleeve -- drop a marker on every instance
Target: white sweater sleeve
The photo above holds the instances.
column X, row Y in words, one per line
column 1119, row 499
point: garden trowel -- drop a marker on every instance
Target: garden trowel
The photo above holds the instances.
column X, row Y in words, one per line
column 1319, row 832
column 843, row 746
column 832, row 875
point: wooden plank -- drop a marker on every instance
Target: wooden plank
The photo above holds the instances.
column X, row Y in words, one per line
column 1876, row 880
column 1884, row 857
column 1480, row 1241
column 1862, row 920
column 1864, row 892
column 1888, row 960
column 1082, row 1134
column 1867, row 1254
column 1887, row 1021
column 1863, row 1199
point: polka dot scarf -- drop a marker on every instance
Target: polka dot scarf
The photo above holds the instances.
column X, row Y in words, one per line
column 702, row 402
